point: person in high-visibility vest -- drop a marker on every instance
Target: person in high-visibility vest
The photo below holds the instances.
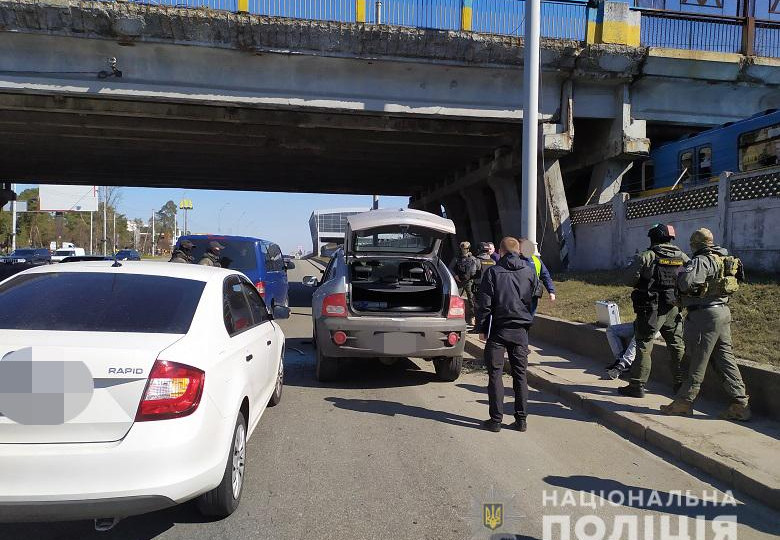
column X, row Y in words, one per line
column 545, row 279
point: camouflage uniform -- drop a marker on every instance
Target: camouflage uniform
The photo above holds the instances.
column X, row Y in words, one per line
column 661, row 316
column 180, row 256
column 209, row 259
column 708, row 331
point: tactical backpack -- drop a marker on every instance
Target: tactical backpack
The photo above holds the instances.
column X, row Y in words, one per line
column 464, row 268
column 729, row 272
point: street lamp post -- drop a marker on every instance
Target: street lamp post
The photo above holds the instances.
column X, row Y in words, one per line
column 530, row 119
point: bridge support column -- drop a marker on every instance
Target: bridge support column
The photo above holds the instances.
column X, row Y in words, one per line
column 478, row 212
column 613, row 22
column 557, row 238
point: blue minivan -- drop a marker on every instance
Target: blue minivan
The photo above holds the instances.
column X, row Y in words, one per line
column 260, row 260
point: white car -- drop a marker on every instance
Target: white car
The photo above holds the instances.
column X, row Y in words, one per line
column 67, row 252
column 130, row 387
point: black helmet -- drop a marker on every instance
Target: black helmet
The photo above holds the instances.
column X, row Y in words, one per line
column 661, row 232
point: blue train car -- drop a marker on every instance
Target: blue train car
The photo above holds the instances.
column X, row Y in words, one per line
column 746, row 145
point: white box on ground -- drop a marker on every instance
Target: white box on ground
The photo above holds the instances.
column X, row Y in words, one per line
column 607, row 313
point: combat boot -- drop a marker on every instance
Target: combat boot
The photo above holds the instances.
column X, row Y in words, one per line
column 737, row 411
column 681, row 407
column 632, row 390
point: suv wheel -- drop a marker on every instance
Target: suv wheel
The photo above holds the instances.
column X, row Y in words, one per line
column 327, row 368
column 448, row 369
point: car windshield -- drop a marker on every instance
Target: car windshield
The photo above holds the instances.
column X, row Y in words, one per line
column 237, row 255
column 23, row 253
column 99, row 302
column 393, row 240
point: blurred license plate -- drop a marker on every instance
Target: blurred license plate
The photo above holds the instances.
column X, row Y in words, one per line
column 398, row 343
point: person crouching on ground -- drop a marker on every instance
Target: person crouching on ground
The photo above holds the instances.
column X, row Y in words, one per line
column 503, row 319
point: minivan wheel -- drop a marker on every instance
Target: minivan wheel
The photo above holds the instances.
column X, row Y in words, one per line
column 223, row 500
column 327, row 368
column 448, row 368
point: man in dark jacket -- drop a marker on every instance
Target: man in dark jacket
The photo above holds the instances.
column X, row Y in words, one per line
column 503, row 319
column 183, row 253
column 212, row 255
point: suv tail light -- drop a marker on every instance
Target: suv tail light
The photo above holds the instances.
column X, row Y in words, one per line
column 457, row 308
column 172, row 391
column 260, row 286
column 335, row 305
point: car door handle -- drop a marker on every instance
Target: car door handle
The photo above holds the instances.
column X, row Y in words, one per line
column 268, row 343
column 249, row 357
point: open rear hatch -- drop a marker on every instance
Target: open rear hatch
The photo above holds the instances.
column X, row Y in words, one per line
column 86, row 390
column 396, row 232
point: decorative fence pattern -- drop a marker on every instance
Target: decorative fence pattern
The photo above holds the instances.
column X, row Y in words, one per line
column 755, row 187
column 675, row 201
column 594, row 213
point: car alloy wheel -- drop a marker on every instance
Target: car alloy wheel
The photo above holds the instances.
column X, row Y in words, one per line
column 239, row 458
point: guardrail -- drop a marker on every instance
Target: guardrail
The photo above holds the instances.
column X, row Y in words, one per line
column 561, row 19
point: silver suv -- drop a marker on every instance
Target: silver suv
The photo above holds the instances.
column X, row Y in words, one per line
column 387, row 294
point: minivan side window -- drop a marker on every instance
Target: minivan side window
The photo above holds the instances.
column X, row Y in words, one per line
column 275, row 256
column 236, row 311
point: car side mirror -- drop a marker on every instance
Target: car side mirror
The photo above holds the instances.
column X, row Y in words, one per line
column 280, row 312
column 310, row 281
column 289, row 265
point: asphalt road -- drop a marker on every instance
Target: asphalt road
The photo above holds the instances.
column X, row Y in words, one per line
column 391, row 453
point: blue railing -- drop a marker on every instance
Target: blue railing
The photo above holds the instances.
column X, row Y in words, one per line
column 676, row 30
column 560, row 19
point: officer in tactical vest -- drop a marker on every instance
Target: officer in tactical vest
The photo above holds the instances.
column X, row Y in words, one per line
column 183, row 253
column 465, row 268
column 706, row 284
column 654, row 297
column 485, row 261
column 212, row 255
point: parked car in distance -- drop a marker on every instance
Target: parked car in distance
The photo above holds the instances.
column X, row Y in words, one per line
column 155, row 405
column 260, row 260
column 127, row 255
column 387, row 294
column 67, row 252
column 34, row 256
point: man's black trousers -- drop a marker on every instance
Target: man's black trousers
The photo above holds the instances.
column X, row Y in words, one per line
column 517, row 349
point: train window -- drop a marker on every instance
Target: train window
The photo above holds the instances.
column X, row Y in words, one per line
column 686, row 165
column 760, row 148
column 705, row 162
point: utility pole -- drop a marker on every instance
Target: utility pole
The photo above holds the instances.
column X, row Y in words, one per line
column 154, row 238
column 530, row 119
column 13, row 220
column 105, row 220
column 91, row 220
column 375, row 205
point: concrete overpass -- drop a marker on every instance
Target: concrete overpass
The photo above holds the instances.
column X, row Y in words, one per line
column 211, row 99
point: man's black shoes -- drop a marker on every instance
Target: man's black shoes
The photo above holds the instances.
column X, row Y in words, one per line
column 492, row 425
column 632, row 390
column 521, row 424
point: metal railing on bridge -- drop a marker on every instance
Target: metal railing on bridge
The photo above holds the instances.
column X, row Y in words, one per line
column 735, row 26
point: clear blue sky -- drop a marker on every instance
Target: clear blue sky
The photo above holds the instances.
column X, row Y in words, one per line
column 280, row 217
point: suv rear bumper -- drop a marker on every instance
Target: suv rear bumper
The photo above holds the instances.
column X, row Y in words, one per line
column 419, row 337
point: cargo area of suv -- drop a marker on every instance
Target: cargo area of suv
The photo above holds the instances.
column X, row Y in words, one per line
column 391, row 285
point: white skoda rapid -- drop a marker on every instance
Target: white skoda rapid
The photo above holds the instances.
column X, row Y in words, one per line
column 130, row 387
